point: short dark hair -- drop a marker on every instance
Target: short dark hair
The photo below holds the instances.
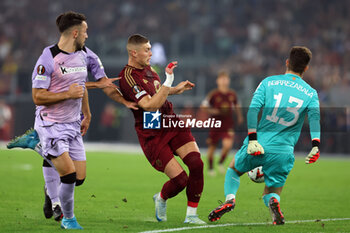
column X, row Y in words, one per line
column 69, row 19
column 137, row 39
column 299, row 58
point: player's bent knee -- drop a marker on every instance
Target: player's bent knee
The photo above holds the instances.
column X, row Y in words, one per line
column 69, row 178
column 180, row 180
column 79, row 182
column 194, row 162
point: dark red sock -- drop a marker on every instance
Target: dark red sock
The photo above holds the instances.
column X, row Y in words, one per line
column 210, row 161
column 195, row 180
column 222, row 158
column 175, row 185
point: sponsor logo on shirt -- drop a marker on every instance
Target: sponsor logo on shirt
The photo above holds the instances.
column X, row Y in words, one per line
column 70, row 70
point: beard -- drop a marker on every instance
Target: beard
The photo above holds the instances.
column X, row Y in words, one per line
column 78, row 45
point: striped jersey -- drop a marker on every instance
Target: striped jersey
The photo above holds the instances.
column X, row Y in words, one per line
column 137, row 83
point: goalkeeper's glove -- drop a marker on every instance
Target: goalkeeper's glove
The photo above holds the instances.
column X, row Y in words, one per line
column 254, row 148
column 314, row 153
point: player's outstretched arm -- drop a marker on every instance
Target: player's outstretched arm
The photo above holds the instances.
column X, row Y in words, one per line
column 314, row 154
column 114, row 94
column 44, row 97
column 102, row 83
column 181, row 87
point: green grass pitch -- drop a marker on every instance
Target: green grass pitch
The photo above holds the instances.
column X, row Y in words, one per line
column 117, row 197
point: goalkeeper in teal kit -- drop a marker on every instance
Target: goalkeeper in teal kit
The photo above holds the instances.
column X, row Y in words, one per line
column 285, row 100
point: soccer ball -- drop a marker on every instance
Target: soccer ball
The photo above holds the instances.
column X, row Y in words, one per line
column 256, row 175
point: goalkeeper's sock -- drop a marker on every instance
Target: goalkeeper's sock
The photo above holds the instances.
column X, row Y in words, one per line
column 267, row 197
column 232, row 182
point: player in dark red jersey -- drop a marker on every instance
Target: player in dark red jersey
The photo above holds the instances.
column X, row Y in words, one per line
column 221, row 103
column 141, row 84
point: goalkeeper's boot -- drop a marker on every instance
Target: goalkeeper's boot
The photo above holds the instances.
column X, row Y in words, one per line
column 193, row 219
column 48, row 212
column 57, row 212
column 225, row 207
column 160, row 207
column 70, row 223
column 276, row 213
column 28, row 140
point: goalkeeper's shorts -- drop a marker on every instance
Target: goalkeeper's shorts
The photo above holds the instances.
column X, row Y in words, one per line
column 276, row 166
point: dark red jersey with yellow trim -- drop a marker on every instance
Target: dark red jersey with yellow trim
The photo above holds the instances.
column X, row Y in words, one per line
column 136, row 84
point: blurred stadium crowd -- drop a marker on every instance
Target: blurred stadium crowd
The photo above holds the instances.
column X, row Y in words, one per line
column 249, row 38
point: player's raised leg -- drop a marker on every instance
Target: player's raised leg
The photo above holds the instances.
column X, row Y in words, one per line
column 189, row 153
column 27, row 140
column 30, row 139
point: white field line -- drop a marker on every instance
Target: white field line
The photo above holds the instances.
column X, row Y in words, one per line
column 242, row 224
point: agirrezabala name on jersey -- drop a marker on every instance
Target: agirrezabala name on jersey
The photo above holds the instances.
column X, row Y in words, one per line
column 291, row 84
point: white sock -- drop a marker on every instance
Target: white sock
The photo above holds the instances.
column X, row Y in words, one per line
column 191, row 211
column 230, row 196
column 160, row 198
